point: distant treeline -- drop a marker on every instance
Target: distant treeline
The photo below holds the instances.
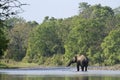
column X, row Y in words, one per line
column 94, row 32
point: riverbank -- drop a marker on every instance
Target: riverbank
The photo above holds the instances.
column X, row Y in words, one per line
column 115, row 67
column 13, row 65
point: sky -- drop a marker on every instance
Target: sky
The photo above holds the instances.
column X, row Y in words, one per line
column 38, row 9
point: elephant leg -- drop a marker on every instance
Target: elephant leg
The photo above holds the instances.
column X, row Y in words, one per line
column 77, row 67
column 82, row 67
column 85, row 68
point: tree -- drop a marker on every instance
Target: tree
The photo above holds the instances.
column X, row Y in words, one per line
column 117, row 10
column 7, row 9
column 44, row 41
column 12, row 22
column 111, row 48
column 87, row 36
column 96, row 12
column 83, row 6
column 18, row 38
column 3, row 40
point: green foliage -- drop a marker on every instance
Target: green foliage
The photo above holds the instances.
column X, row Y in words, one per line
column 56, row 60
column 44, row 40
column 83, row 6
column 94, row 32
column 18, row 35
column 88, row 35
column 117, row 10
column 3, row 66
column 97, row 12
column 3, row 40
column 7, row 9
column 111, row 48
column 80, row 34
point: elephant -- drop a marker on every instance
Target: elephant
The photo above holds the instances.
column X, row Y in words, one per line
column 80, row 60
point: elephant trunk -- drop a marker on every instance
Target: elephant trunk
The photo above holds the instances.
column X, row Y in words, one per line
column 70, row 63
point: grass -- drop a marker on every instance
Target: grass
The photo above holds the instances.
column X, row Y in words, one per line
column 14, row 64
column 3, row 66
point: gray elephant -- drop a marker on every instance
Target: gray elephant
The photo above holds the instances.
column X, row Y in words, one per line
column 80, row 60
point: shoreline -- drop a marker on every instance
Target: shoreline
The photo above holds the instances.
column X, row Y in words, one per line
column 115, row 67
column 42, row 68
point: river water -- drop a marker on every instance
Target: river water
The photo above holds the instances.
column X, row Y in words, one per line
column 58, row 73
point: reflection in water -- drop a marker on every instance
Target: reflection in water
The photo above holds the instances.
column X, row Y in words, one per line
column 14, row 77
column 57, row 74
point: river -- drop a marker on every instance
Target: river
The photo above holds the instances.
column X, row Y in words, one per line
column 57, row 73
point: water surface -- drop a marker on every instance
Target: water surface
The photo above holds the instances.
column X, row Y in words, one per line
column 57, row 73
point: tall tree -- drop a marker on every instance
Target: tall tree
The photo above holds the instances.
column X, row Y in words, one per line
column 111, row 48
column 85, row 37
column 18, row 38
column 83, row 6
column 3, row 39
column 7, row 9
column 97, row 12
column 44, row 41
column 88, row 32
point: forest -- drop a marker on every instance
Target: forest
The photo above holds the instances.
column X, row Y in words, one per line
column 94, row 32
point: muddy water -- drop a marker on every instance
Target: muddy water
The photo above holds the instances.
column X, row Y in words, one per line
column 57, row 73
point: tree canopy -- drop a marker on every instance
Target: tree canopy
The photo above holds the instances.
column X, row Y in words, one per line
column 7, row 9
column 80, row 34
column 94, row 32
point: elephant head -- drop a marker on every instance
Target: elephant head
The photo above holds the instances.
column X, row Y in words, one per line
column 73, row 60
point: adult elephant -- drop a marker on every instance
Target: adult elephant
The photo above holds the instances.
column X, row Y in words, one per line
column 80, row 60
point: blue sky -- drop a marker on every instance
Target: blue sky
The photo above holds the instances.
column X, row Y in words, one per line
column 38, row 9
